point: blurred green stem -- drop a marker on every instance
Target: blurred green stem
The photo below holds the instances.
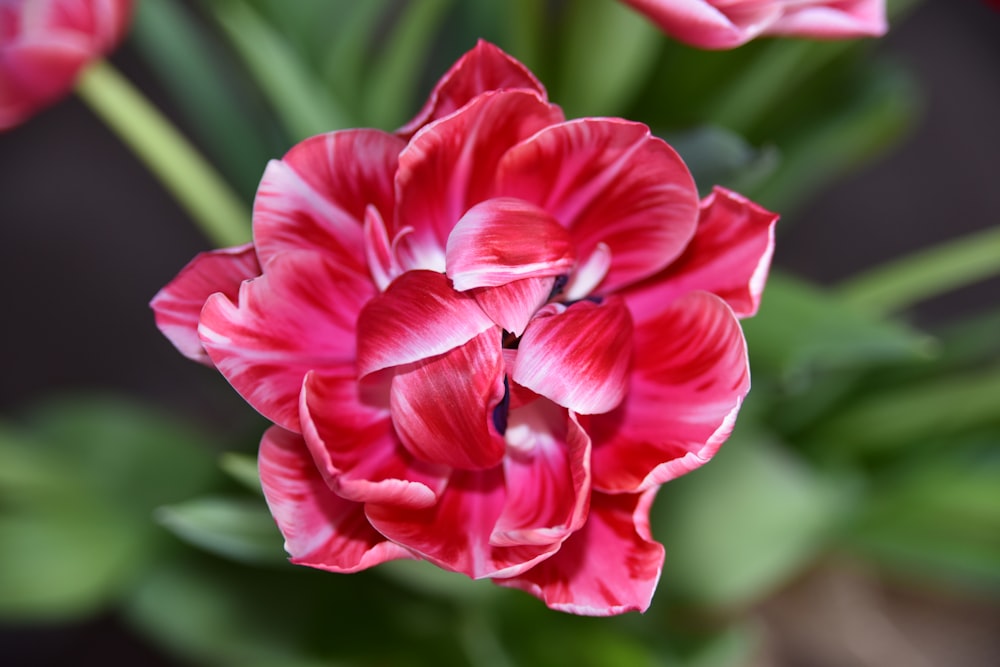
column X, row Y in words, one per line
column 942, row 268
column 182, row 170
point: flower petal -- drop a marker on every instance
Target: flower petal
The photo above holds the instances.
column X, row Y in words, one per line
column 505, row 239
column 481, row 70
column 355, row 447
column 547, row 471
column 299, row 316
column 608, row 180
column 443, row 407
column 851, row 18
column 177, row 306
column 690, row 375
column 610, row 566
column 454, row 534
column 704, row 25
column 315, row 197
column 579, row 358
column 513, row 305
column 450, row 165
column 417, row 317
column 729, row 256
column 321, row 529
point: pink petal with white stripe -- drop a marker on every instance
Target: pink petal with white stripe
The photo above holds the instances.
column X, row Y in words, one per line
column 729, row 256
column 689, row 378
column 450, row 165
column 315, row 197
column 482, row 69
column 609, row 181
column 547, row 471
column 513, row 305
column 505, row 239
column 455, row 533
column 578, row 358
column 610, row 566
column 443, row 407
column 417, row 317
column 177, row 306
column 834, row 20
column 299, row 316
column 348, row 428
column 321, row 529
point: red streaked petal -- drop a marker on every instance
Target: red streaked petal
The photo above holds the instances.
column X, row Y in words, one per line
column 177, row 306
column 513, row 305
column 547, row 471
column 355, row 447
column 450, row 165
column 417, row 317
column 608, row 180
column 442, row 407
column 505, row 239
column 315, row 197
column 608, row 567
column 482, row 69
column 454, row 534
column 321, row 529
column 579, row 358
column 729, row 256
column 299, row 316
column 689, row 377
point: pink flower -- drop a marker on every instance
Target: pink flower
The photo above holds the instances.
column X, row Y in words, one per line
column 725, row 24
column 484, row 341
column 45, row 43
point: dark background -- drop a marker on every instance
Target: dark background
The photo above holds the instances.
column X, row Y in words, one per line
column 87, row 237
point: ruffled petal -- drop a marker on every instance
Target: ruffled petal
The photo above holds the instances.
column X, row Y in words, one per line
column 609, row 181
column 481, row 70
column 455, row 533
column 299, row 316
column 443, row 407
column 689, row 378
column 701, row 23
column 348, row 429
column 729, row 256
column 505, row 239
column 417, row 317
column 835, row 20
column 610, row 566
column 450, row 165
column 547, row 471
column 315, row 197
column 177, row 306
column 578, row 358
column 321, row 529
column 513, row 305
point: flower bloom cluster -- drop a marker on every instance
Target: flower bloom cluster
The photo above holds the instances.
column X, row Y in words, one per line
column 45, row 43
column 725, row 24
column 485, row 340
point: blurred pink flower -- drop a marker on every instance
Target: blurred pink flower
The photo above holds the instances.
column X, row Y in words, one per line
column 484, row 341
column 725, row 24
column 45, row 43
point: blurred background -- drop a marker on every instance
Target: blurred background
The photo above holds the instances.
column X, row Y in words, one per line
column 854, row 518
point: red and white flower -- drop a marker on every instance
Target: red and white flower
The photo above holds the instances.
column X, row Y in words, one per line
column 725, row 24
column 484, row 341
column 44, row 44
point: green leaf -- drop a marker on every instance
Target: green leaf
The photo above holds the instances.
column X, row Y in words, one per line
column 802, row 329
column 717, row 156
column 745, row 523
column 242, row 468
column 608, row 53
column 206, row 84
column 238, row 529
column 305, row 106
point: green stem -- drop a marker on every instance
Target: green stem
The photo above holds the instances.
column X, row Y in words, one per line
column 942, row 268
column 196, row 185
